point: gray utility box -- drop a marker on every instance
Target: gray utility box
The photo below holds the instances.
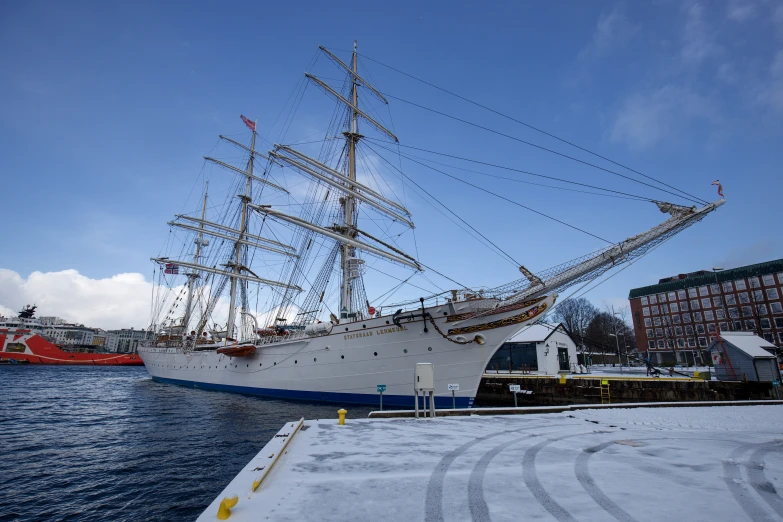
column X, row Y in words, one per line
column 424, row 378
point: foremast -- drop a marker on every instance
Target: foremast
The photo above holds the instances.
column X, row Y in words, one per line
column 193, row 275
column 347, row 252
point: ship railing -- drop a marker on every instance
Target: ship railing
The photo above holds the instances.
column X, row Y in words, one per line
column 290, row 336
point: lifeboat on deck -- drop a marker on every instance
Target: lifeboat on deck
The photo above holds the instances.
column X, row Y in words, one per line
column 238, row 351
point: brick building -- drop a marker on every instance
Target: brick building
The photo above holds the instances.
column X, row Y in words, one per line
column 682, row 314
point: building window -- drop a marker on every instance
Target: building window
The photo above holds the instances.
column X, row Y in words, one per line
column 659, row 332
column 780, row 278
column 779, row 322
column 664, row 309
column 724, row 327
column 672, row 296
column 758, row 295
column 737, row 326
column 711, row 328
column 692, row 292
column 674, row 307
column 643, row 300
column 727, row 287
column 699, row 328
column 715, row 289
column 703, row 290
column 740, row 284
column 768, row 279
column 649, row 332
column 645, row 311
column 688, row 330
column 681, row 293
column 780, row 336
column 662, row 298
column 686, row 318
column 754, row 282
column 660, row 344
column 694, row 304
column 691, row 342
column 653, row 299
column 705, row 303
column 697, row 317
column 765, row 324
column 747, row 311
column 678, row 330
column 647, row 322
column 731, row 299
column 702, row 341
column 772, row 293
column 761, row 309
column 676, row 319
column 655, row 310
column 750, row 324
column 717, row 301
column 769, row 337
column 720, row 314
column 657, row 321
column 743, row 298
column 680, row 343
column 776, row 308
column 651, row 344
column 666, row 320
column 684, row 306
column 708, row 316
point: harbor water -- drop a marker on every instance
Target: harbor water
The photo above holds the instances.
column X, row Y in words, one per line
column 87, row 443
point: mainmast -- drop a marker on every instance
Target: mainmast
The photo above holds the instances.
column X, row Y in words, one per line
column 238, row 247
column 192, row 276
column 347, row 251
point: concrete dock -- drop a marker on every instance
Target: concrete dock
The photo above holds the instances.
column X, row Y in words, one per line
column 665, row 463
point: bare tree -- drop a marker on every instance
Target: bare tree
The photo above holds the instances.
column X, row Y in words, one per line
column 576, row 315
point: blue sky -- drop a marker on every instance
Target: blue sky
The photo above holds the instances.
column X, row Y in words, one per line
column 108, row 108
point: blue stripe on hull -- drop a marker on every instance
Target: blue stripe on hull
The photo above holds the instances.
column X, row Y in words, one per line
column 402, row 401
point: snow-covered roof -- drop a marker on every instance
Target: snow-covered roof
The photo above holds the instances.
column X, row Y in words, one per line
column 535, row 333
column 749, row 343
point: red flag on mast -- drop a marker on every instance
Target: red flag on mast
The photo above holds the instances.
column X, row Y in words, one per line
column 720, row 187
column 250, row 123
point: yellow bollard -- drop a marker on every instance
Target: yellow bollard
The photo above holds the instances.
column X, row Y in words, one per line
column 341, row 412
column 562, row 378
column 224, row 511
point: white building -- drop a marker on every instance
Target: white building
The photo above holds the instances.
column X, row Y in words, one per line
column 544, row 349
column 51, row 320
column 126, row 340
column 70, row 334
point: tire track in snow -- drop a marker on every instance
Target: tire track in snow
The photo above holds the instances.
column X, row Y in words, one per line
column 479, row 510
column 587, row 482
column 534, row 485
column 754, row 467
column 733, row 480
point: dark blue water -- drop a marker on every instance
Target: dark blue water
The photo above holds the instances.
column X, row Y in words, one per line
column 84, row 443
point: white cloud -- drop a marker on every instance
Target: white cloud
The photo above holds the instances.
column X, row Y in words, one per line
column 741, row 10
column 698, row 40
column 646, row 118
column 121, row 301
column 771, row 92
column 613, row 29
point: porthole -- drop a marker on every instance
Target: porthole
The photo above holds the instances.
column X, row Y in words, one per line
column 429, row 348
column 259, row 364
column 405, row 350
column 342, row 357
column 314, row 359
column 294, row 362
column 364, row 326
column 346, row 328
column 327, row 348
column 387, row 322
column 247, row 365
column 445, row 313
column 375, row 354
column 275, row 364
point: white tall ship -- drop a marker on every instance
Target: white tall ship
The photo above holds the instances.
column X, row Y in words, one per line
column 282, row 258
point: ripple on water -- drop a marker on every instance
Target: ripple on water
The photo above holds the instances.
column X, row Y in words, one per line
column 92, row 443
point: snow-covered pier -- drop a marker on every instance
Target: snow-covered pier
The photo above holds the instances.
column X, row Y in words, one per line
column 696, row 463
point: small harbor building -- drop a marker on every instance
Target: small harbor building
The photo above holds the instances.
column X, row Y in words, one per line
column 543, row 349
column 743, row 356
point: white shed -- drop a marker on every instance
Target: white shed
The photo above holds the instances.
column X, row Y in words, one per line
column 738, row 356
column 546, row 349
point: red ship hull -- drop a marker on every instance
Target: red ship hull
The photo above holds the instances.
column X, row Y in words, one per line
column 24, row 346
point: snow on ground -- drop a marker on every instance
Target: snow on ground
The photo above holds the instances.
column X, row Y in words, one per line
column 720, row 463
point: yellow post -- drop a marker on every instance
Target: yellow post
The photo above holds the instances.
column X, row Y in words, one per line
column 562, row 378
column 224, row 511
column 341, row 412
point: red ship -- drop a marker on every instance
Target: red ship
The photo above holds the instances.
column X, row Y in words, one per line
column 22, row 339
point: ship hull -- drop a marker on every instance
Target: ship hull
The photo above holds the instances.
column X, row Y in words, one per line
column 35, row 349
column 347, row 365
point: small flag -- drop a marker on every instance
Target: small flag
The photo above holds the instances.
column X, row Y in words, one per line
column 720, row 187
column 171, row 268
column 250, row 124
